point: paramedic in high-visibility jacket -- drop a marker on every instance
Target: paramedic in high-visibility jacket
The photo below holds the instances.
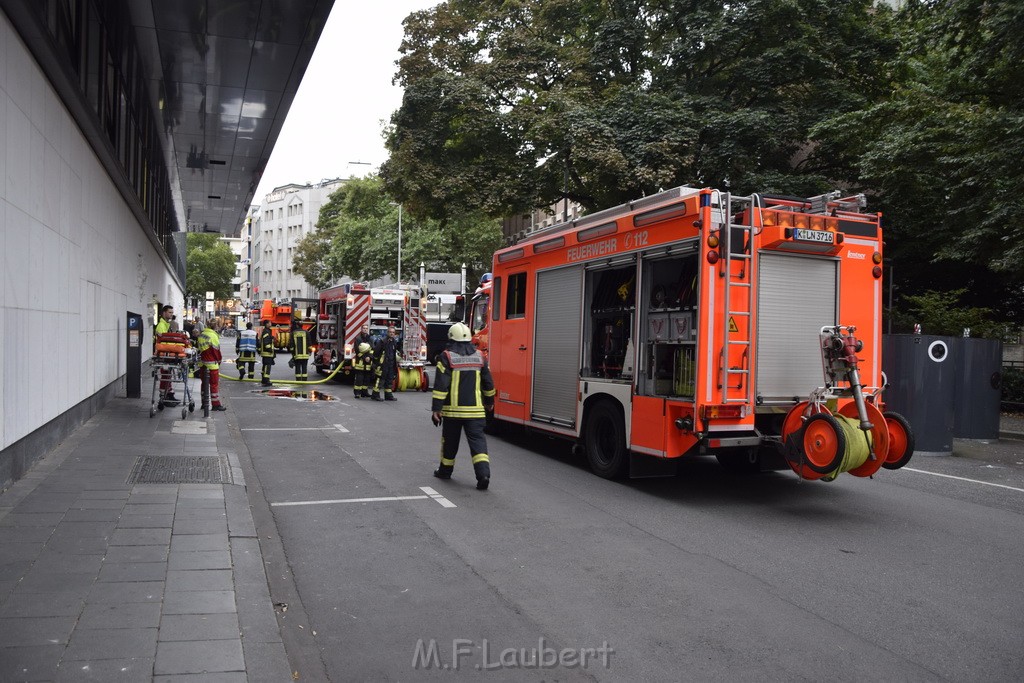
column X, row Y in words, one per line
column 299, row 346
column 463, row 395
column 267, row 352
column 164, row 325
column 208, row 344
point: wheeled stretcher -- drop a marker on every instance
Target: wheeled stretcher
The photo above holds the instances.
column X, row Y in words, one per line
column 173, row 360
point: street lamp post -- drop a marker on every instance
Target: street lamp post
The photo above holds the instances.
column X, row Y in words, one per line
column 399, row 244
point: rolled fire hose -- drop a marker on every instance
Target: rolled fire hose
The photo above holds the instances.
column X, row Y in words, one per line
column 858, row 446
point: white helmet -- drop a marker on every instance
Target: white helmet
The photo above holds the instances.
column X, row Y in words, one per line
column 459, row 332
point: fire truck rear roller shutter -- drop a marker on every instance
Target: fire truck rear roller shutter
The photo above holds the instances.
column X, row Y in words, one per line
column 556, row 348
column 797, row 296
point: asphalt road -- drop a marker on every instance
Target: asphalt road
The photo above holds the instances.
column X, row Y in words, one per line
column 907, row 576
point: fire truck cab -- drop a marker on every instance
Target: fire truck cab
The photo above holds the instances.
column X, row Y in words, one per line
column 698, row 322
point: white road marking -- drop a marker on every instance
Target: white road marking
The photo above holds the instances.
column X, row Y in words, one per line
column 438, row 497
column 973, row 481
column 348, row 500
column 341, row 429
column 430, row 494
column 286, row 429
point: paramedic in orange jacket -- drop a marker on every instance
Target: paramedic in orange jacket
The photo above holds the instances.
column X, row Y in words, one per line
column 463, row 395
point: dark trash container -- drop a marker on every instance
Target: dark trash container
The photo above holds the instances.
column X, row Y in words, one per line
column 979, row 380
column 921, row 370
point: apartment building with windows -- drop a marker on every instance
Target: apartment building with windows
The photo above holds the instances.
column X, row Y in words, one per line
column 286, row 215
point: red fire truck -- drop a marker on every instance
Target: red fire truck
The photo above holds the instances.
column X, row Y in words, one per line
column 698, row 322
column 346, row 308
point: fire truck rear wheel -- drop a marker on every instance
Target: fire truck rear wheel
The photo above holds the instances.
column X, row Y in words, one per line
column 605, row 441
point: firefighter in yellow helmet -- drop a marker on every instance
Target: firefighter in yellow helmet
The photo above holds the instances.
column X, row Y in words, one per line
column 362, row 365
column 463, row 395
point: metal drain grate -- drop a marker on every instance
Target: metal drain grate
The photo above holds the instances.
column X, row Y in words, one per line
column 180, row 469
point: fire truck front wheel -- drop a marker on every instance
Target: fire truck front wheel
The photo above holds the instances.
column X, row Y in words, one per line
column 605, row 440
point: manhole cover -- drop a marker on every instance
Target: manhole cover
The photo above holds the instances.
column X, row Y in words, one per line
column 180, row 469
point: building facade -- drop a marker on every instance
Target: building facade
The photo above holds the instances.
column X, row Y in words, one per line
column 120, row 130
column 286, row 215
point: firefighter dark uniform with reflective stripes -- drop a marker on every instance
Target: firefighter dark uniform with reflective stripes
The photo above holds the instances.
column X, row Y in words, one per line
column 267, row 351
column 362, row 366
column 463, row 395
column 386, row 366
column 299, row 346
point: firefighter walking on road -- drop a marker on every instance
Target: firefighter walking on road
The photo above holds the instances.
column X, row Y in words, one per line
column 267, row 351
column 245, row 348
column 463, row 395
column 299, row 346
column 208, row 345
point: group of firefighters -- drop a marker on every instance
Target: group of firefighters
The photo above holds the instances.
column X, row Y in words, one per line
column 463, row 392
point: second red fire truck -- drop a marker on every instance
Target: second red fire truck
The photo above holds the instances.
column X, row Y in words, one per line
column 346, row 308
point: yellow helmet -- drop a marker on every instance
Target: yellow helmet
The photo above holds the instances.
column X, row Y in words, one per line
column 459, row 332
column 364, row 348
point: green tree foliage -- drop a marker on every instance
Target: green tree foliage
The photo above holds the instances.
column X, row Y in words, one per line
column 944, row 313
column 515, row 104
column 357, row 236
column 209, row 266
column 942, row 153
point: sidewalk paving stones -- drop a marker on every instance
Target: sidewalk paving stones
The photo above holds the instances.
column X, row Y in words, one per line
column 102, row 579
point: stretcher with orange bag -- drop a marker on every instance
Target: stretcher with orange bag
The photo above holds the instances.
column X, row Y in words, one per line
column 173, row 359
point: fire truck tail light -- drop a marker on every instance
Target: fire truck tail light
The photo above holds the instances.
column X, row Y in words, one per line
column 769, row 218
column 349, row 300
column 712, row 241
column 711, row 412
column 817, row 222
column 348, row 350
column 712, row 257
column 877, row 271
column 876, row 257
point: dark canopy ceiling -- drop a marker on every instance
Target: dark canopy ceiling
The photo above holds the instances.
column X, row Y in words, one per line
column 223, row 74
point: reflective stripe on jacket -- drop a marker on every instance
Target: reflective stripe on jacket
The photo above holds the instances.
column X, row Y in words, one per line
column 462, row 386
column 208, row 344
column 246, row 344
column 300, row 345
column 266, row 345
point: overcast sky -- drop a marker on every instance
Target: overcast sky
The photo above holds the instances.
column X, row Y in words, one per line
column 345, row 98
